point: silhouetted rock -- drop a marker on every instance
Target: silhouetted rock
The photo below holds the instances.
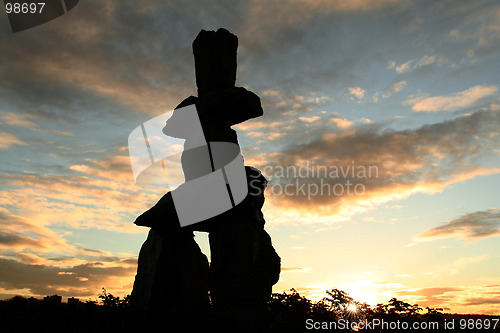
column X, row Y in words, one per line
column 162, row 215
column 228, row 107
column 215, row 60
column 172, row 274
column 244, row 265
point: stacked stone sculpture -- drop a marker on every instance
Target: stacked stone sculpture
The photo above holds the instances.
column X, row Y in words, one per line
column 173, row 275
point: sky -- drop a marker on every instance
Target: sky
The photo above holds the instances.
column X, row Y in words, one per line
column 380, row 140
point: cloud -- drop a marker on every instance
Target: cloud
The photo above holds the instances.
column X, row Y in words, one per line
column 34, row 257
column 482, row 27
column 16, row 120
column 462, row 299
column 460, row 264
column 411, row 65
column 295, row 269
column 33, row 242
column 81, row 281
column 7, row 140
column 472, row 226
column 55, row 133
column 453, row 101
column 355, row 169
column 482, row 300
column 299, row 13
column 404, row 67
column 103, row 59
column 343, row 5
column 123, row 58
column 314, row 293
column 268, row 135
column 285, row 102
column 395, row 88
column 432, row 296
column 391, row 64
column 341, row 123
column 253, row 125
column 309, row 119
column 97, row 194
column 358, row 92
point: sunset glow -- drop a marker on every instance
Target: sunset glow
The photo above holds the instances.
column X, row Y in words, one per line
column 380, row 140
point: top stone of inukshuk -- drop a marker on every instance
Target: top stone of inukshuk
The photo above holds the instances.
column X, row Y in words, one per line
column 220, row 104
column 215, row 58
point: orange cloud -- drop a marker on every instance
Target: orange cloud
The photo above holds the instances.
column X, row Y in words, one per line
column 81, row 281
column 342, row 123
column 7, row 140
column 99, row 194
column 16, row 120
column 432, row 296
column 454, row 101
column 17, row 233
column 309, row 119
column 358, row 92
column 343, row 173
column 295, row 269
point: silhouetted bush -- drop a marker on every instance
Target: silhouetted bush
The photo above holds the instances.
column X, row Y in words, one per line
column 288, row 312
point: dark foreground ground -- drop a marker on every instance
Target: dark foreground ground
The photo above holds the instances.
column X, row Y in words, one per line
column 287, row 313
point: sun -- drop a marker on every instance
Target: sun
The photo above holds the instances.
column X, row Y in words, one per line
column 352, row 308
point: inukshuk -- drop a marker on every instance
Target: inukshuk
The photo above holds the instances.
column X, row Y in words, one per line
column 173, row 274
